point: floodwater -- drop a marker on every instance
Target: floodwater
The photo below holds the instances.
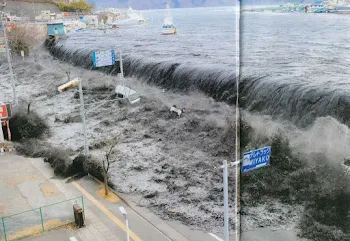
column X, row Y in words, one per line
column 202, row 37
column 293, row 65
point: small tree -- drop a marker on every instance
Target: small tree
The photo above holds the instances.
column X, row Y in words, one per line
column 22, row 39
column 106, row 164
column 103, row 18
column 29, row 103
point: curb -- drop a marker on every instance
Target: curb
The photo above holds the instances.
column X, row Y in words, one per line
column 173, row 235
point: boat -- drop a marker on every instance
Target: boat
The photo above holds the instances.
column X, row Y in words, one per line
column 132, row 18
column 317, row 6
column 343, row 10
column 168, row 26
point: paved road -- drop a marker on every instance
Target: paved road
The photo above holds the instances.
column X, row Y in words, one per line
column 30, row 183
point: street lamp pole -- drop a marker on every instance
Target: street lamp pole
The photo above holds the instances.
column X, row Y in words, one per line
column 125, row 214
column 225, row 181
column 66, row 86
column 237, row 143
column 83, row 117
column 8, row 55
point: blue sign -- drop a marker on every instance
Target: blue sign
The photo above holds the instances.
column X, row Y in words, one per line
column 103, row 58
column 256, row 159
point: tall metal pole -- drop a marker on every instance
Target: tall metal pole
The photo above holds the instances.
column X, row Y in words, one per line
column 9, row 61
column 122, row 71
column 237, row 144
column 127, row 228
column 121, row 65
column 34, row 11
column 225, row 176
column 82, row 110
column 4, row 228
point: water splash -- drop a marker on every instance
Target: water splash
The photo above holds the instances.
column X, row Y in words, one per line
column 298, row 103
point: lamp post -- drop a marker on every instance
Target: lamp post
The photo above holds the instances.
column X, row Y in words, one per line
column 68, row 85
column 8, row 55
column 123, row 211
column 225, row 176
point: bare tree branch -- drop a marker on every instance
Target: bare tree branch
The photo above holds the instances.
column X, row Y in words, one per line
column 106, row 163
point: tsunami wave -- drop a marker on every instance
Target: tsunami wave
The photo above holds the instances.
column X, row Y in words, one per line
column 298, row 103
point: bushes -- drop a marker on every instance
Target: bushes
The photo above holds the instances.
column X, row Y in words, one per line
column 22, row 38
column 27, row 126
column 318, row 232
column 322, row 188
column 59, row 161
column 81, row 6
column 272, row 181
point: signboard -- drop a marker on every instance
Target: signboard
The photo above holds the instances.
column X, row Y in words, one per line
column 3, row 111
column 256, row 159
column 103, row 58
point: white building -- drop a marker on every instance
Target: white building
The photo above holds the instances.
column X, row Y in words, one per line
column 115, row 11
column 46, row 15
column 92, row 20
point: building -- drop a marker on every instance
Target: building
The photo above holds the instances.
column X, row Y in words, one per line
column 46, row 15
column 55, row 30
column 115, row 11
column 92, row 20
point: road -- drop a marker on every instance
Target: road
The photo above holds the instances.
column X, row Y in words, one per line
column 30, row 183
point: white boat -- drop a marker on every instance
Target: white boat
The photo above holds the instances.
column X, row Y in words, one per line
column 132, row 18
column 168, row 26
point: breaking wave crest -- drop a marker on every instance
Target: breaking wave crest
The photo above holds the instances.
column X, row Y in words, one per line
column 299, row 103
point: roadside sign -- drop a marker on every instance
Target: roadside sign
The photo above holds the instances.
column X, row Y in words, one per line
column 3, row 111
column 256, row 159
column 103, row 58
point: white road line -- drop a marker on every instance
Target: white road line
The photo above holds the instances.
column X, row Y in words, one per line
column 216, row 237
column 73, row 239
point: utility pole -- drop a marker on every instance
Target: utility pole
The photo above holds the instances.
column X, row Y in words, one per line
column 237, row 144
column 225, row 182
column 82, row 110
column 66, row 86
column 8, row 54
column 34, row 10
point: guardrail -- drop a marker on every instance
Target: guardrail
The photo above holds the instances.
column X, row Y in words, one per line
column 35, row 221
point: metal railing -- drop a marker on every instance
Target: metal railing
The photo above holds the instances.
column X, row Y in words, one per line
column 35, row 221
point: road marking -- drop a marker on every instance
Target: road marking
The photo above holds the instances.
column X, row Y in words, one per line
column 106, row 211
column 216, row 237
column 73, row 239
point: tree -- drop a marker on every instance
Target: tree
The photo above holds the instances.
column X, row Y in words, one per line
column 106, row 164
column 22, row 39
column 103, row 18
column 80, row 6
column 29, row 103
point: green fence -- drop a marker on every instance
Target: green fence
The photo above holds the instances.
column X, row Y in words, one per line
column 38, row 220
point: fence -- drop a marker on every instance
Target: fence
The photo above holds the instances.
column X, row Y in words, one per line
column 35, row 221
